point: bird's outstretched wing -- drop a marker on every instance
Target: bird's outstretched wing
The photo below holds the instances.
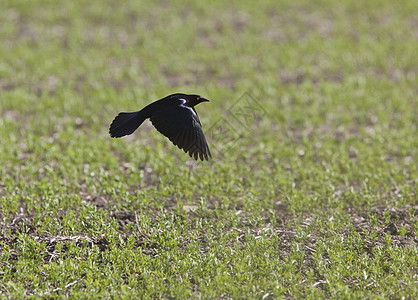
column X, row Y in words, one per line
column 182, row 126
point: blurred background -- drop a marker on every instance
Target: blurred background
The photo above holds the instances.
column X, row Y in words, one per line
column 331, row 144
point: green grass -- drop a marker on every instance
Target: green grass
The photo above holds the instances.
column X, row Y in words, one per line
column 314, row 197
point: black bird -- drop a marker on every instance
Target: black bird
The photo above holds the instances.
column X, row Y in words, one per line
column 175, row 117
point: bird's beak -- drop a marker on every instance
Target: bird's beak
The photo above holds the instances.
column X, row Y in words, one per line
column 204, row 99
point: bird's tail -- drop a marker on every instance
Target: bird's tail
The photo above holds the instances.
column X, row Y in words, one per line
column 126, row 123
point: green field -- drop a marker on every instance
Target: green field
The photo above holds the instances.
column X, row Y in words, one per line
column 312, row 189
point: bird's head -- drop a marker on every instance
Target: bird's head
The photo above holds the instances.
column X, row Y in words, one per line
column 196, row 99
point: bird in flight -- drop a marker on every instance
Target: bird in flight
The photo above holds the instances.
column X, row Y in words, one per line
column 175, row 117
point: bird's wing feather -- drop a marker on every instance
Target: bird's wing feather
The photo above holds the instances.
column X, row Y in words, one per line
column 182, row 126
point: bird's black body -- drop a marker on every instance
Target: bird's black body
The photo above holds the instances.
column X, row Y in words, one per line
column 175, row 117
